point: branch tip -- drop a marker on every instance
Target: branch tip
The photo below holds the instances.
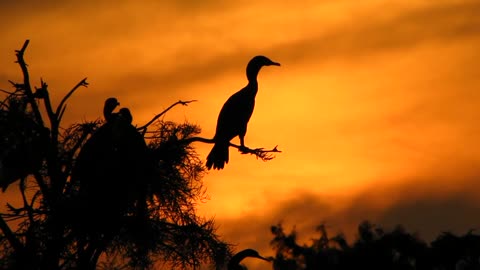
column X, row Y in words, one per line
column 143, row 128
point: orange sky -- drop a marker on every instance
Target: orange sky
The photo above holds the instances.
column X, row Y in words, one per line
column 375, row 106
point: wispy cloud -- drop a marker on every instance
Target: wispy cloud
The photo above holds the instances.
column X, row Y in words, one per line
column 376, row 92
column 422, row 206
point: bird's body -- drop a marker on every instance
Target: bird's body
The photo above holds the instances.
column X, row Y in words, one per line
column 111, row 168
column 235, row 114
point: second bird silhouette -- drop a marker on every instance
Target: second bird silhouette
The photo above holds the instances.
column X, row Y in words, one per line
column 235, row 114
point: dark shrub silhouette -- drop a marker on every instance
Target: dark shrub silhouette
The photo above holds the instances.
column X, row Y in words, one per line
column 99, row 188
column 376, row 248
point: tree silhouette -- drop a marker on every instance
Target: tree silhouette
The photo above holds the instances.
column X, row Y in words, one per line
column 99, row 188
column 375, row 248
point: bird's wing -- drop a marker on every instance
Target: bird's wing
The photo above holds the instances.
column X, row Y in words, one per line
column 234, row 116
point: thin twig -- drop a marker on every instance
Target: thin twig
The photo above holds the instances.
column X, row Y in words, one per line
column 65, row 98
column 85, row 132
column 26, row 206
column 24, row 47
column 60, row 116
column 48, row 104
column 70, row 154
column 184, row 103
column 12, row 239
column 34, row 197
column 261, row 153
column 18, row 86
column 26, row 82
column 10, row 93
column 43, row 187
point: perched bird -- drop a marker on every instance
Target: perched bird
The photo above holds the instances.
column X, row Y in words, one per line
column 110, row 105
column 235, row 114
column 111, row 169
column 126, row 115
column 234, row 263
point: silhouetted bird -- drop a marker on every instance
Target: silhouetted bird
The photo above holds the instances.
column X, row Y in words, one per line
column 235, row 114
column 112, row 168
column 234, row 263
column 110, row 105
column 126, row 116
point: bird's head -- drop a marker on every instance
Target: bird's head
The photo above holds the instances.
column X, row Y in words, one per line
column 261, row 60
column 247, row 253
column 234, row 262
column 110, row 105
column 254, row 254
column 257, row 63
column 125, row 115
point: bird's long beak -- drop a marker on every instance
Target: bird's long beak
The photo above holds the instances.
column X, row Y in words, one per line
column 275, row 64
column 263, row 258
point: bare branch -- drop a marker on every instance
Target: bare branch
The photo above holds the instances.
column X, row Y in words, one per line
column 260, row 153
column 26, row 82
column 48, row 104
column 26, row 206
column 18, row 86
column 67, row 96
column 16, row 211
column 10, row 93
column 60, row 116
column 184, row 103
column 41, row 184
column 34, row 197
column 12, row 239
column 87, row 129
column 24, row 47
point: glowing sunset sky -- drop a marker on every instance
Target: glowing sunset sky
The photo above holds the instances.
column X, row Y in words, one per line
column 376, row 106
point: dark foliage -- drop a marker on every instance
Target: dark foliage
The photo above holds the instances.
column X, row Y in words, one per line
column 98, row 189
column 375, row 248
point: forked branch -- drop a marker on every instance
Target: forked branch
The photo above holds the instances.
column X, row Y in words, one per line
column 26, row 82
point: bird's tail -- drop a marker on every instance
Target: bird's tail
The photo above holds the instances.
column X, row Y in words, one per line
column 218, row 156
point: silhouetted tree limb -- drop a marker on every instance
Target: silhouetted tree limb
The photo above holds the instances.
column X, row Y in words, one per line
column 260, row 153
column 180, row 102
column 12, row 239
column 9, row 93
column 28, row 207
column 26, row 82
column 61, row 107
column 48, row 104
column 42, row 186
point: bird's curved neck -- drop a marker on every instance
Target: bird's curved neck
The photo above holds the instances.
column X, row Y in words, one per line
column 107, row 114
column 237, row 258
column 252, row 73
column 252, row 86
column 234, row 262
